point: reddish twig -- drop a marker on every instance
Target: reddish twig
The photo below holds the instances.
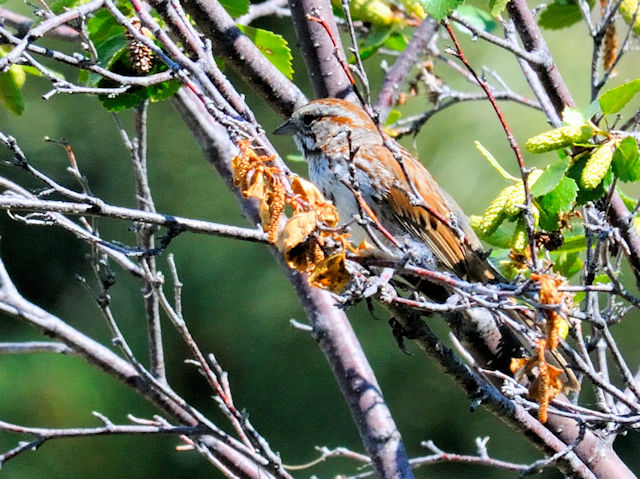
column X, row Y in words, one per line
column 530, row 225
column 337, row 54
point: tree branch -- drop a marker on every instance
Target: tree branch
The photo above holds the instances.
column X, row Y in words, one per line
column 243, row 56
column 13, row 203
column 397, row 74
column 331, row 327
column 327, row 76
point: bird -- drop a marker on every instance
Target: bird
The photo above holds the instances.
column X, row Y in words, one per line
column 349, row 155
column 387, row 197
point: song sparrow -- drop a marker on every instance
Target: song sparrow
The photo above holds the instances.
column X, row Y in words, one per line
column 390, row 199
column 357, row 166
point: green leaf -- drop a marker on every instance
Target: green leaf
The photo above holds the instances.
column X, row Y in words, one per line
column 37, row 73
column 111, row 45
column 235, row 8
column 628, row 201
column 439, row 9
column 476, row 17
column 626, row 161
column 136, row 95
column 126, row 8
column 613, row 100
column 592, row 109
column 273, row 46
column 500, row 238
column 110, row 42
column 163, row 91
column 374, row 41
column 103, row 26
column 11, row 83
column 379, row 37
column 550, row 177
column 62, row 5
column 557, row 202
column 393, row 116
column 396, row 41
column 34, row 71
column 575, row 243
column 502, row 258
column 496, row 7
column 493, row 162
column 559, row 15
column 109, row 51
column 133, row 97
column 567, row 264
column 84, row 77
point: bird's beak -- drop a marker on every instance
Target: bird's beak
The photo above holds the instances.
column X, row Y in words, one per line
column 287, row 128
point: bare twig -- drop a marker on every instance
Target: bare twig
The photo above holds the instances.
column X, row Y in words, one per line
column 524, row 172
column 265, row 9
column 30, row 347
column 407, row 59
column 13, row 203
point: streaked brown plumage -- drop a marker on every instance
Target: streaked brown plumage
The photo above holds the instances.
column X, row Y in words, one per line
column 331, row 132
column 353, row 162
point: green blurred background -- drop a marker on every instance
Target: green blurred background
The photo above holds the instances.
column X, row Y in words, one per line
column 236, row 300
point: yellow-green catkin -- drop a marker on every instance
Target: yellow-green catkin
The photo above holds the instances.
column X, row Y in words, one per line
column 414, row 7
column 562, row 326
column 628, row 9
column 559, row 138
column 516, row 197
column 493, row 216
column 597, row 165
column 519, row 240
column 508, row 204
column 376, row 12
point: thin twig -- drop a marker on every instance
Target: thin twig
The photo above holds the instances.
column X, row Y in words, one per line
column 527, row 213
column 13, row 203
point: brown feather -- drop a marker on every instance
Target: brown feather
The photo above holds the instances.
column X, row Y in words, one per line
column 429, row 224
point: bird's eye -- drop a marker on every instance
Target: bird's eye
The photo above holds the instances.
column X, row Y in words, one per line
column 308, row 119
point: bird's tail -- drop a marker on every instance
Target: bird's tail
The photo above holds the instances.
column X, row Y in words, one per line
column 494, row 338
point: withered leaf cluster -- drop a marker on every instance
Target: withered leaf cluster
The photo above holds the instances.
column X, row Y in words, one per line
column 310, row 239
column 547, row 378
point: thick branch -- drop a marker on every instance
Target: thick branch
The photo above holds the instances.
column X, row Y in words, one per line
column 534, row 42
column 327, row 75
column 244, row 57
column 331, row 327
column 482, row 392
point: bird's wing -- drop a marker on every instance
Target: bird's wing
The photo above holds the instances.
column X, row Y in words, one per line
column 428, row 212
